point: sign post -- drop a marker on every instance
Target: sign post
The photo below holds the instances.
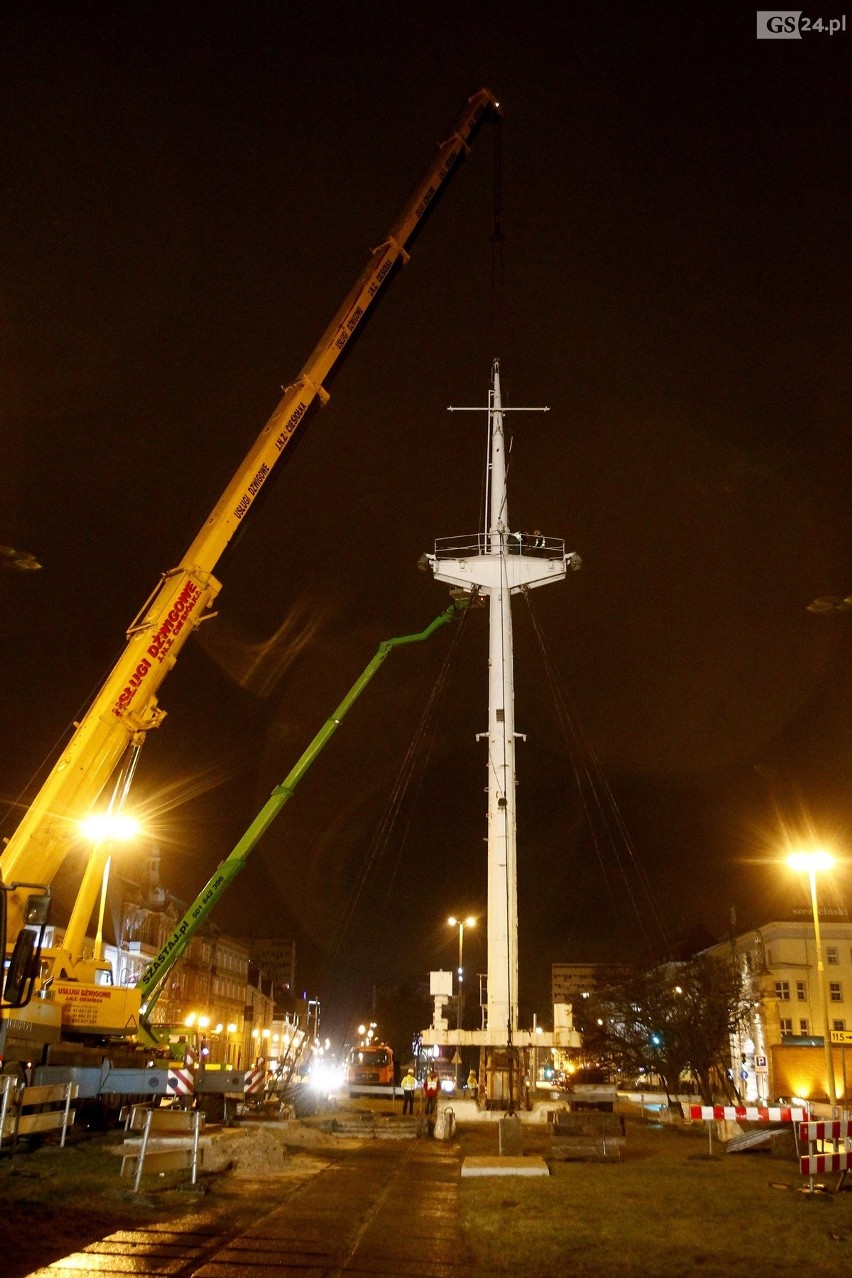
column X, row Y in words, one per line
column 842, row 1039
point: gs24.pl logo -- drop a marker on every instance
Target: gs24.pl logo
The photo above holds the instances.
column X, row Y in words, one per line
column 790, row 24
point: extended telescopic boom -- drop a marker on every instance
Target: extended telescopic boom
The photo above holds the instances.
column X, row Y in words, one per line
column 125, row 708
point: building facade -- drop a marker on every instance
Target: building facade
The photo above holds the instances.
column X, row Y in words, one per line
column 780, row 1050
column 278, row 960
column 569, row 982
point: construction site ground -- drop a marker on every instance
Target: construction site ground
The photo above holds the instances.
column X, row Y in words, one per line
column 372, row 1197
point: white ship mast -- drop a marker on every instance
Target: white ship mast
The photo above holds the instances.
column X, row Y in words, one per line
column 498, row 563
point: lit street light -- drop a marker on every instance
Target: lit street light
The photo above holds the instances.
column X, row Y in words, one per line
column 461, row 924
column 809, row 863
column 106, row 828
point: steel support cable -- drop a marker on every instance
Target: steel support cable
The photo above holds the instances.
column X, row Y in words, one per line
column 418, row 756
column 608, row 812
column 498, row 239
column 485, row 487
column 600, row 790
column 378, row 846
column 415, row 760
column 584, row 789
column 607, row 806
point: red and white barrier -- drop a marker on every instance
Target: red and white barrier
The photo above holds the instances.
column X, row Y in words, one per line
column 837, row 1130
column 747, row 1113
column 181, row 1082
column 838, row 1160
column 819, row 1164
column 254, row 1080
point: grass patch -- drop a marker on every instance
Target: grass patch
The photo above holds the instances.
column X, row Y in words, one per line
column 666, row 1209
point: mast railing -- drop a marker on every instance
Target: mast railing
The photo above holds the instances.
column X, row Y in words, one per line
column 468, row 545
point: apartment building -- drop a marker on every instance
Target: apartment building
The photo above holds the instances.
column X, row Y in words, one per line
column 780, row 1051
column 569, row 982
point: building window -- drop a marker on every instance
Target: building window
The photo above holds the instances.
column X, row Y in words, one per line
column 786, row 1025
column 803, row 1027
column 831, row 953
column 801, row 991
column 838, row 1025
column 835, row 991
column 782, row 991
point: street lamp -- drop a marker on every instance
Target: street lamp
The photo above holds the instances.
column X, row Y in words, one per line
column 809, row 863
column 106, row 828
column 461, row 924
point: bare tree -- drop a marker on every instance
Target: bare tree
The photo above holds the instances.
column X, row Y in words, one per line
column 670, row 1020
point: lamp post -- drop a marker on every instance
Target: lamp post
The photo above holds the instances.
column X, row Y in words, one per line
column 809, row 863
column 461, row 924
column 107, row 828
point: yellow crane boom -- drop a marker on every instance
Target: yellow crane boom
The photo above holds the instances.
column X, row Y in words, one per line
column 126, row 708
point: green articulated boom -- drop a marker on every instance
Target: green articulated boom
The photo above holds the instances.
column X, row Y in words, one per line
column 151, row 982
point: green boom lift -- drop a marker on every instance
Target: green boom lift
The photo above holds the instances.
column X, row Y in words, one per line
column 150, row 983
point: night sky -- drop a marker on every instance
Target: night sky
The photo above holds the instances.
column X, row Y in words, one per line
column 187, row 197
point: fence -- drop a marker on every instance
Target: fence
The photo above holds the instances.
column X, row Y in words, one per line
column 28, row 1111
column 818, row 1161
column 169, row 1142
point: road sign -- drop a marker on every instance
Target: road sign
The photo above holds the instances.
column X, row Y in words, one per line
column 841, row 1038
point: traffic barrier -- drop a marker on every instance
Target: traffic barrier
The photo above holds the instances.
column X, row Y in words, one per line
column 747, row 1113
column 818, row 1162
column 826, row 1130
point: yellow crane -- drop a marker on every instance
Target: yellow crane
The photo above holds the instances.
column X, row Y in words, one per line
column 76, row 990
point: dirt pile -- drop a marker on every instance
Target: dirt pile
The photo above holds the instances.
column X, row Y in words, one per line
column 259, row 1150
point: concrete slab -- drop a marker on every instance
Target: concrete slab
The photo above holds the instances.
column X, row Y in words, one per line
column 485, row 1165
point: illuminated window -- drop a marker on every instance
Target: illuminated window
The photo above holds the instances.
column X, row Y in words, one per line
column 801, row 991
column 832, row 955
column 786, row 1025
column 782, row 991
column 838, row 1025
column 803, row 1027
column 835, row 991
